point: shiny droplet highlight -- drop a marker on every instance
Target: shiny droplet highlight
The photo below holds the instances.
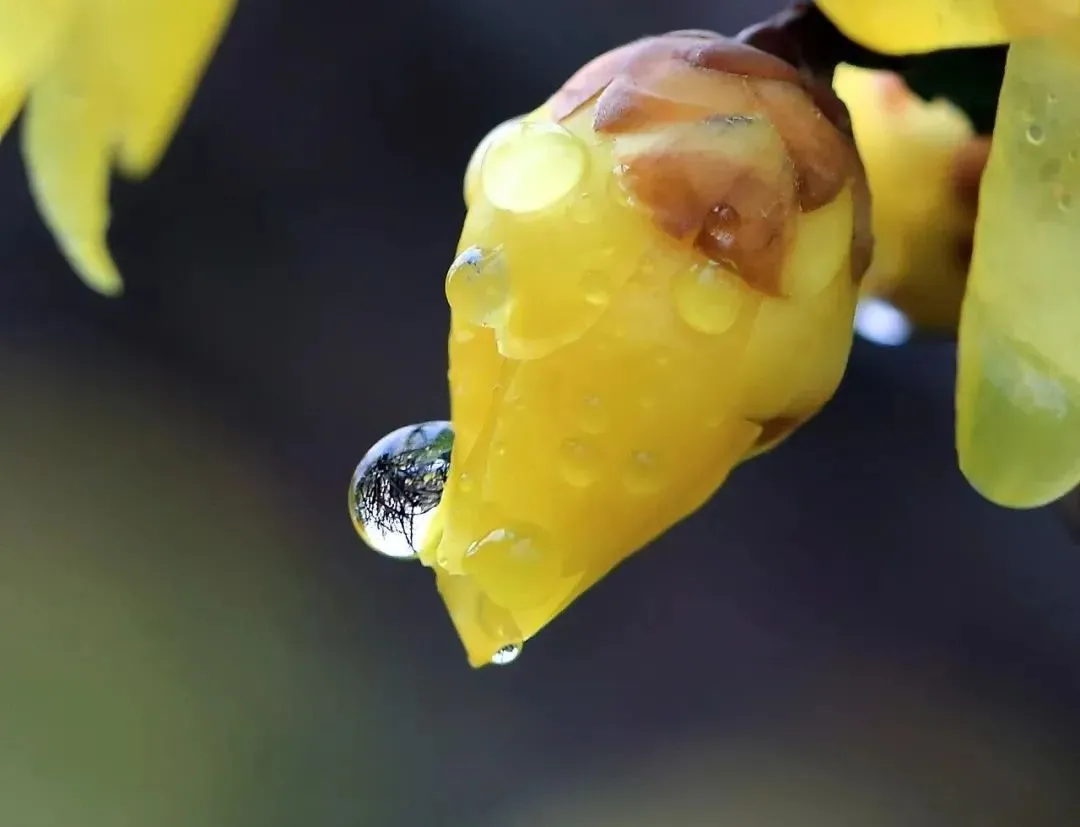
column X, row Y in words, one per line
column 507, row 654
column 478, row 285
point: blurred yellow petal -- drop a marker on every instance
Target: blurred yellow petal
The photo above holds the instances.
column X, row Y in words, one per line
column 11, row 101
column 67, row 145
column 156, row 53
column 106, row 82
column 923, row 163
column 29, row 33
column 914, row 26
column 1018, row 389
column 910, row 26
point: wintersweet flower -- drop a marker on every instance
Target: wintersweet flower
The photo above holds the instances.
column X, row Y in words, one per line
column 656, row 280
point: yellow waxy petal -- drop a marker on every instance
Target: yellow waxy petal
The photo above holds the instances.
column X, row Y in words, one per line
column 1018, row 389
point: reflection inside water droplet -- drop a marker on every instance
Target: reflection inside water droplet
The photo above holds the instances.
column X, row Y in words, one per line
column 398, row 485
column 507, row 654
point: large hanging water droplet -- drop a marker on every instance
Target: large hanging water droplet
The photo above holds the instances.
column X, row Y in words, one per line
column 398, row 485
column 507, row 654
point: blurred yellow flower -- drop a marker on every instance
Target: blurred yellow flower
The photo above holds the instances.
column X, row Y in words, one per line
column 104, row 84
column 923, row 162
column 1018, row 378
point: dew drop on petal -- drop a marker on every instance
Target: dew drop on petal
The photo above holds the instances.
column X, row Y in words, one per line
column 398, row 485
column 531, row 167
column 707, row 298
column 478, row 285
column 507, row 654
column 516, row 567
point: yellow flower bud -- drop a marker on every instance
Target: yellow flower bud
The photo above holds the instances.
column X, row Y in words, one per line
column 656, row 280
column 104, row 82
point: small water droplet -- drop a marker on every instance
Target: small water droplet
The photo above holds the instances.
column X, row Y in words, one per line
column 1073, row 155
column 516, row 567
column 506, row 654
column 1035, row 134
column 579, row 462
column 532, row 167
column 593, row 416
column 463, row 333
column 594, row 287
column 498, row 623
column 465, row 484
column 1051, row 98
column 643, row 473
column 1050, row 170
column 478, row 285
column 1065, row 201
column 398, row 485
column 583, row 209
column 707, row 298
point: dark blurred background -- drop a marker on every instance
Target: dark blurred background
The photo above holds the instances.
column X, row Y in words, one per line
column 191, row 635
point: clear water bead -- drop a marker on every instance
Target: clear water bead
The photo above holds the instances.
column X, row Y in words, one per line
column 478, row 285
column 507, row 654
column 398, row 485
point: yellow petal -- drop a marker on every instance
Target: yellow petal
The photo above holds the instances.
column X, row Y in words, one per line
column 909, row 26
column 156, row 53
column 67, row 145
column 30, row 33
column 922, row 227
column 1018, row 389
